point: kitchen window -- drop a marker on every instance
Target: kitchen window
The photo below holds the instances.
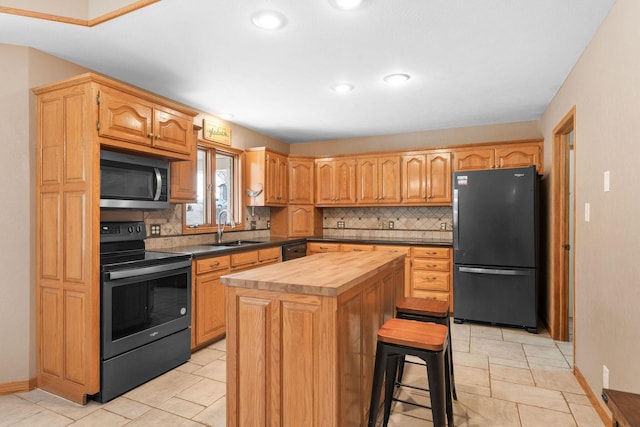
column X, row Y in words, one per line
column 218, row 189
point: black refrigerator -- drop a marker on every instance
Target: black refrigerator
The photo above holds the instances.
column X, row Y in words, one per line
column 495, row 246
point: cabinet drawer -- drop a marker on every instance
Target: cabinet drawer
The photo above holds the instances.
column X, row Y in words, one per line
column 442, row 296
column 244, row 259
column 432, row 264
column 269, row 254
column 404, row 249
column 431, row 252
column 430, row 280
column 208, row 265
column 316, row 247
column 355, row 248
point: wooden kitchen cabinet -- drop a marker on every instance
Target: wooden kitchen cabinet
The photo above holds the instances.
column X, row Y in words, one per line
column 321, row 247
column 426, row 178
column 68, row 144
column 129, row 122
column 407, row 264
column 335, row 181
column 431, row 273
column 296, row 221
column 506, row 155
column 378, row 180
column 301, row 180
column 257, row 258
column 184, row 183
column 209, row 307
column 266, row 170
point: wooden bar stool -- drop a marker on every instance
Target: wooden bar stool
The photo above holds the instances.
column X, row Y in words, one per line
column 428, row 341
column 426, row 310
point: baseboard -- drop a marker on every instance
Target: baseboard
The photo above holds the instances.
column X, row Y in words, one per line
column 597, row 403
column 18, row 386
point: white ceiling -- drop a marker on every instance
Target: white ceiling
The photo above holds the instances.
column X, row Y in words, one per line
column 472, row 62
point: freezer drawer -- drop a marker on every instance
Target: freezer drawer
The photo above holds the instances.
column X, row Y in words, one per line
column 496, row 295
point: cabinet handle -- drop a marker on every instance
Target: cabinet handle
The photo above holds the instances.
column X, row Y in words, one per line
column 215, row 264
column 150, row 135
column 431, row 266
column 357, row 250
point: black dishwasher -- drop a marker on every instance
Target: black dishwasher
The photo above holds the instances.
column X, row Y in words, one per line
column 293, row 250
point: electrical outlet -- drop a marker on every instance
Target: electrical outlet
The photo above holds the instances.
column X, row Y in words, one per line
column 385, row 224
column 443, row 226
column 269, row 224
column 253, row 225
column 391, row 225
column 340, row 224
column 605, row 376
column 155, row 229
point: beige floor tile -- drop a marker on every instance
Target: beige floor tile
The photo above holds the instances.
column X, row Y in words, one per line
column 511, row 374
column 156, row 417
column 216, row 370
column 215, row 415
column 204, row 392
column 126, row 407
column 556, row 379
column 161, row 389
column 67, row 408
column 205, row 356
column 36, row 395
column 14, row 409
column 44, row 418
column 188, row 367
column 580, row 399
column 524, row 337
column 539, row 417
column 472, row 376
column 565, row 347
column 474, row 410
column 182, row 407
column 509, row 362
column 403, row 420
column 493, row 332
column 542, row 352
column 460, row 330
column 496, row 348
column 101, row 418
column 219, row 345
column 461, row 345
column 471, row 359
column 545, row 362
column 585, row 416
column 533, row 396
column 473, row 389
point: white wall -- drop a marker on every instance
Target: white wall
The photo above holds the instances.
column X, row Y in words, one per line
column 605, row 88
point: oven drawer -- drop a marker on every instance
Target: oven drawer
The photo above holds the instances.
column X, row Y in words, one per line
column 207, row 265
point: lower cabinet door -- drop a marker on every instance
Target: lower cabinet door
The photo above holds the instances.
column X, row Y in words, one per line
column 211, row 308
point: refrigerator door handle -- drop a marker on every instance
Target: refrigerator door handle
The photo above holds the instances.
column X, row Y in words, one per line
column 478, row 270
column 455, row 219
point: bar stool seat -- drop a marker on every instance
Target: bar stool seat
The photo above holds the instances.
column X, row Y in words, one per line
column 426, row 310
column 427, row 341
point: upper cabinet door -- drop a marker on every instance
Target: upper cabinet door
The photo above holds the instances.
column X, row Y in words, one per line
column 325, row 182
column 276, row 177
column 473, row 159
column 124, row 117
column 438, row 178
column 389, row 180
column 414, row 173
column 367, row 180
column 172, row 130
column 519, row 156
column 301, row 180
column 345, row 181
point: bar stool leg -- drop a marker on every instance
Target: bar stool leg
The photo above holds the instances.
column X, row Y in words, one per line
column 389, row 385
column 450, row 358
column 437, row 387
column 378, row 375
column 449, row 385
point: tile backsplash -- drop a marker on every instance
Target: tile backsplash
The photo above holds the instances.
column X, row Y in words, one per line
column 388, row 222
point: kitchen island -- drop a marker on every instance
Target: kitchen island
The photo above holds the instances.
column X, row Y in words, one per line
column 301, row 337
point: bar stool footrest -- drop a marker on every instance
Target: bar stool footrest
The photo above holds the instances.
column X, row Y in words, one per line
column 411, row 403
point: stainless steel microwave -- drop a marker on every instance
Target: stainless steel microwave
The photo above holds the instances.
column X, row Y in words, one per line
column 133, row 182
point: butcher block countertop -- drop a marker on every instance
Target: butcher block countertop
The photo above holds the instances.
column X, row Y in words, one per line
column 325, row 274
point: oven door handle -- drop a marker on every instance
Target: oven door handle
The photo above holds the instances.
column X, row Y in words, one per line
column 141, row 271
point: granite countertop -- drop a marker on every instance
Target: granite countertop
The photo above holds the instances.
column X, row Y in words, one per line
column 208, row 250
column 326, row 274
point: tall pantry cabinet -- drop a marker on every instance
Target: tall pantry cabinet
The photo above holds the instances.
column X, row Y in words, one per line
column 67, row 228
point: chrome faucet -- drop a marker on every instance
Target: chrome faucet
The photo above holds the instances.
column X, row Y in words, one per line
column 221, row 224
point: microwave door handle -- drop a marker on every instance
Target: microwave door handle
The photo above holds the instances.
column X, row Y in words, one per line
column 156, row 197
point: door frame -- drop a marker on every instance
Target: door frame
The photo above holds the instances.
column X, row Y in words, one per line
column 559, row 325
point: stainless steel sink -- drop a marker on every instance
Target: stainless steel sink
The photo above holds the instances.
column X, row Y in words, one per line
column 238, row 243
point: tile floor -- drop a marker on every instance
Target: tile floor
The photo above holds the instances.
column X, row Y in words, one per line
column 504, row 377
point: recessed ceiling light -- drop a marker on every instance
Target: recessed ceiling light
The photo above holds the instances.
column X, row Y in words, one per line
column 396, row 79
column 226, row 116
column 342, row 87
column 268, row 20
column 346, row 4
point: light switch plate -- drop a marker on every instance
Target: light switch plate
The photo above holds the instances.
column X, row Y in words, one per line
column 587, row 212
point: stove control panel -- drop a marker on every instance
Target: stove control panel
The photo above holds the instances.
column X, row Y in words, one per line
column 122, row 231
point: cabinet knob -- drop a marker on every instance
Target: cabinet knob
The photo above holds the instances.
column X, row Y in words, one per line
column 150, row 135
column 157, row 136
